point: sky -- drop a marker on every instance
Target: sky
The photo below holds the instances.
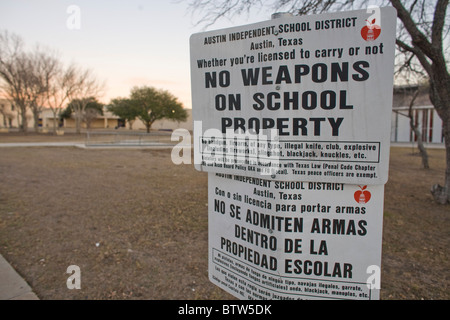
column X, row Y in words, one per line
column 125, row 42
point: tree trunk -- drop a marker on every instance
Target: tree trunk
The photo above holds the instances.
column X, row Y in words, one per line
column 440, row 97
column 420, row 146
column 422, row 150
column 440, row 193
column 78, row 121
column 23, row 115
column 36, row 120
column 54, row 121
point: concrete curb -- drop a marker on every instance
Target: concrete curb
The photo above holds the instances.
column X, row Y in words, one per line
column 12, row 286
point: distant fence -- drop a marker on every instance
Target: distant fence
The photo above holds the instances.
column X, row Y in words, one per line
column 128, row 139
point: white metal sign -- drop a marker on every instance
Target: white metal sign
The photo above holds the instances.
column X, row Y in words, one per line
column 298, row 98
column 273, row 239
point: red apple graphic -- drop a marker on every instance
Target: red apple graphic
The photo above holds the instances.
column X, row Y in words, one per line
column 362, row 196
column 371, row 31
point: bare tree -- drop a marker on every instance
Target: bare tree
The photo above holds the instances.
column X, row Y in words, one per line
column 26, row 76
column 59, row 89
column 36, row 78
column 423, row 30
column 13, row 74
column 82, row 85
column 42, row 68
column 411, row 93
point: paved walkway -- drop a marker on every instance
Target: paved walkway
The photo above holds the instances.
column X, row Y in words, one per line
column 152, row 145
column 42, row 144
column 12, row 286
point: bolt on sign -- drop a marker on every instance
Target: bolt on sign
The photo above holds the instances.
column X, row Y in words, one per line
column 271, row 239
column 296, row 98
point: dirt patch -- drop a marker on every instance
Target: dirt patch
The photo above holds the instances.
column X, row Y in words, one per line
column 136, row 225
column 416, row 230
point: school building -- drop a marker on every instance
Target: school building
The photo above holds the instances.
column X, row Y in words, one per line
column 425, row 117
column 10, row 118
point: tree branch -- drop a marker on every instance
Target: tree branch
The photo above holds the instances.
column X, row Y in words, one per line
column 418, row 53
column 418, row 38
column 438, row 25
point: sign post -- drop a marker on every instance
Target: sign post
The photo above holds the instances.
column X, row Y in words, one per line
column 292, row 122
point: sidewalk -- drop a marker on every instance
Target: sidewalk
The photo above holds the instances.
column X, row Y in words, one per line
column 42, row 144
column 12, row 286
column 127, row 145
